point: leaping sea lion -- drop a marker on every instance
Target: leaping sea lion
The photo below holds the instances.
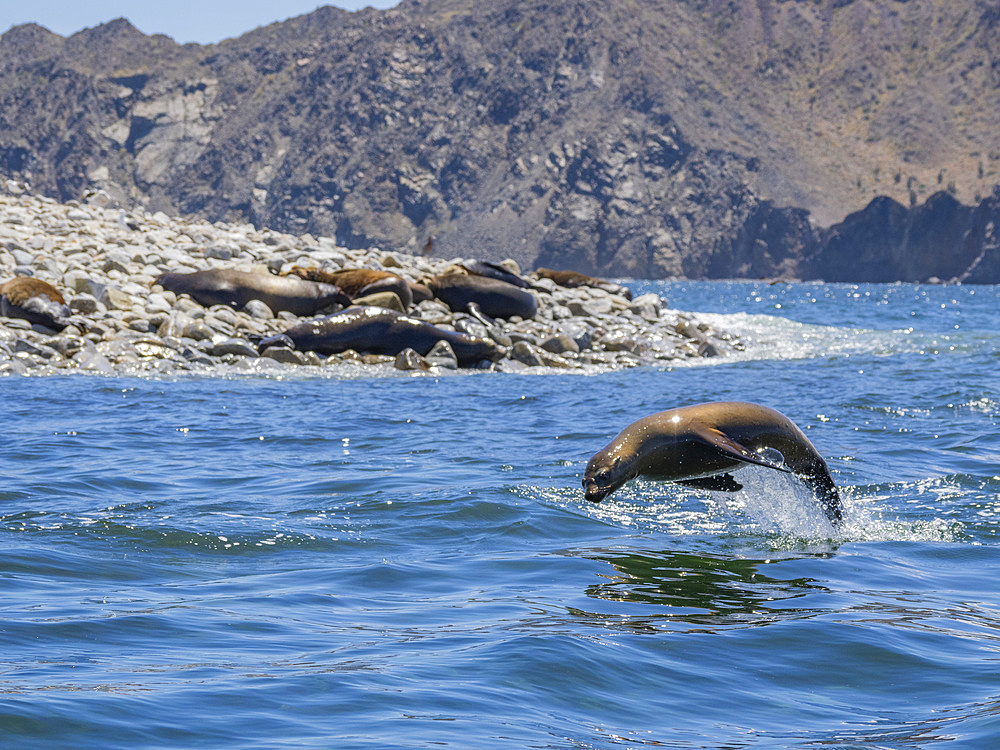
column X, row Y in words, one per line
column 377, row 330
column 573, row 279
column 698, row 446
column 359, row 282
column 34, row 300
column 227, row 286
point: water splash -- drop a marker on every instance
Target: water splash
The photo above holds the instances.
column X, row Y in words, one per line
column 774, row 509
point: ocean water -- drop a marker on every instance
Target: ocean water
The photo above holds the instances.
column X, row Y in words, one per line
column 408, row 561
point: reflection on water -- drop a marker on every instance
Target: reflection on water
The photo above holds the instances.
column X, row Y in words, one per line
column 703, row 590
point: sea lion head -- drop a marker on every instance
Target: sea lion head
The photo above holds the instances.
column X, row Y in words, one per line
column 606, row 471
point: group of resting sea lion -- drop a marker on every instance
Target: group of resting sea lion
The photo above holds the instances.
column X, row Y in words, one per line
column 482, row 289
column 697, row 446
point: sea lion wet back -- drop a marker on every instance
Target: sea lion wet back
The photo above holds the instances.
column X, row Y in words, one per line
column 377, row 330
column 700, row 446
column 227, row 286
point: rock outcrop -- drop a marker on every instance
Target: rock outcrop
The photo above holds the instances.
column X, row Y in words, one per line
column 941, row 240
column 121, row 315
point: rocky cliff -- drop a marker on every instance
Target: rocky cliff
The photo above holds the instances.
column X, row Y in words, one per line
column 698, row 138
column 938, row 241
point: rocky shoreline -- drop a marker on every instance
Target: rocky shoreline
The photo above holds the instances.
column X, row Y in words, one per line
column 104, row 260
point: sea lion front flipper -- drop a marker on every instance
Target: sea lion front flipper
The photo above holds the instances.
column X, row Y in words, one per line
column 731, row 448
column 476, row 313
column 719, row 483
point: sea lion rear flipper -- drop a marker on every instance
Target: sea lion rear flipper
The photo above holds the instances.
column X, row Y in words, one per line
column 821, row 483
column 731, row 448
column 265, row 342
column 719, row 483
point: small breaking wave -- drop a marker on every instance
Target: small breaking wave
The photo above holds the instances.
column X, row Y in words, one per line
column 770, row 337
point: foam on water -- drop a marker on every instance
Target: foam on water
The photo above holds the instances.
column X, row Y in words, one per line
column 771, row 337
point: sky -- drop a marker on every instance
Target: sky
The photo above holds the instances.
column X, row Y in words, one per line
column 202, row 21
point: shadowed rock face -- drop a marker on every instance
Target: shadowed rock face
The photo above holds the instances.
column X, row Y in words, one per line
column 941, row 240
column 695, row 138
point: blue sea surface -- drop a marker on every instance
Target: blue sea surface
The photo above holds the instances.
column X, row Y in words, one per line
column 409, row 562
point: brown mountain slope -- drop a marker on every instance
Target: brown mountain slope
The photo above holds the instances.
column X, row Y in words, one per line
column 640, row 137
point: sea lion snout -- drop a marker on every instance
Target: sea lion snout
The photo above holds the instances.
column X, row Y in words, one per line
column 593, row 493
column 599, row 480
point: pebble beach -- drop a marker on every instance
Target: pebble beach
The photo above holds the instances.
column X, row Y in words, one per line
column 104, row 260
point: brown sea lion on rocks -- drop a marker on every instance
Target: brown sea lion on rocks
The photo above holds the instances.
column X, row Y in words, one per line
column 34, row 300
column 497, row 299
column 699, row 446
column 227, row 286
column 377, row 330
column 359, row 282
column 573, row 279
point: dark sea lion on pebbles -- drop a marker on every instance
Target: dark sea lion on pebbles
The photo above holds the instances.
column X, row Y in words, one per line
column 34, row 300
column 376, row 330
column 359, row 282
column 226, row 286
column 497, row 299
column 699, row 446
column 573, row 279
